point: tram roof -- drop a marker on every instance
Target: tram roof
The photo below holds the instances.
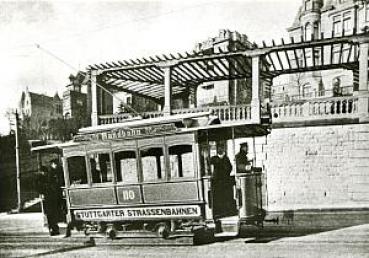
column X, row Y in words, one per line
column 52, row 147
column 147, row 122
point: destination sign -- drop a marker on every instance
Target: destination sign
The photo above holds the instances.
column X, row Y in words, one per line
column 178, row 211
column 124, row 133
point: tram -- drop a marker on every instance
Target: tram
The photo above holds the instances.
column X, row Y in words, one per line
column 154, row 176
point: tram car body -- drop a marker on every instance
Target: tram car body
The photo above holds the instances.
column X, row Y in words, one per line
column 154, row 176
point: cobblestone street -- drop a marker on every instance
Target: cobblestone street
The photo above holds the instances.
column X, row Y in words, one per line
column 17, row 241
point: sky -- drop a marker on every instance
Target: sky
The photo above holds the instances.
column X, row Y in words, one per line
column 75, row 34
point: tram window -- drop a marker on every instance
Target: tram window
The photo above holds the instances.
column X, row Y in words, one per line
column 77, row 170
column 181, row 161
column 153, row 165
column 126, row 165
column 100, row 168
column 204, row 160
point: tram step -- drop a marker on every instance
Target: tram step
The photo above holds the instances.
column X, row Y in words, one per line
column 227, row 226
column 226, row 234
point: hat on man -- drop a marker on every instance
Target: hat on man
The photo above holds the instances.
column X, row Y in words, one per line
column 244, row 144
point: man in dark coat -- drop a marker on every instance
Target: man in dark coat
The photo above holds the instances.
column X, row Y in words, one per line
column 222, row 184
column 48, row 186
column 243, row 165
column 56, row 172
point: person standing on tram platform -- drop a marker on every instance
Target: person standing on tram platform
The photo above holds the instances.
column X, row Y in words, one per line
column 243, row 164
column 222, row 183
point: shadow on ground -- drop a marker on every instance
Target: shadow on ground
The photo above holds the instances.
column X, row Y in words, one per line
column 266, row 235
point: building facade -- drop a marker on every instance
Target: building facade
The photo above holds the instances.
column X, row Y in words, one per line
column 318, row 19
column 74, row 100
column 226, row 92
column 37, row 110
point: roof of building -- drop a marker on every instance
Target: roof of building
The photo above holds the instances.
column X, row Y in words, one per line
column 40, row 99
column 328, row 4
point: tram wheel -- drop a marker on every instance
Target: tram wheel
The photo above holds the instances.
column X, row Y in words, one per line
column 111, row 232
column 163, row 230
column 87, row 231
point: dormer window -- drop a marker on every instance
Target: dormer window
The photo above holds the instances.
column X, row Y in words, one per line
column 308, row 5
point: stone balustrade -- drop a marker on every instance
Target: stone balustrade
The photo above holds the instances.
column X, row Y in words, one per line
column 315, row 109
column 293, row 111
column 227, row 114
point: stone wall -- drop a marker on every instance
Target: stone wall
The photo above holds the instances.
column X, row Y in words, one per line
column 322, row 167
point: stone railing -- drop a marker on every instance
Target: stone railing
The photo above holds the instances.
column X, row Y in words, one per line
column 226, row 114
column 315, row 109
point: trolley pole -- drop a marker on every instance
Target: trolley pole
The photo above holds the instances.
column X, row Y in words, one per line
column 17, row 160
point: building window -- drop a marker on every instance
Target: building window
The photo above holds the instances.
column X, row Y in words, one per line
column 129, row 101
column 308, row 31
column 306, row 90
column 308, row 5
column 316, row 30
column 347, row 26
column 208, row 87
column 337, row 25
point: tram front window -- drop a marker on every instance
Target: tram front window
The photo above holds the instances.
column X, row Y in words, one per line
column 126, row 165
column 100, row 168
column 181, row 161
column 77, row 170
column 153, row 166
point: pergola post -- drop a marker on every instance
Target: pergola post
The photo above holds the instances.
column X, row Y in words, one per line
column 167, row 109
column 363, row 94
column 94, row 100
column 255, row 82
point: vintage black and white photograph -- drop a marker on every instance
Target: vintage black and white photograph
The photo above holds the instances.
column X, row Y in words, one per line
column 168, row 128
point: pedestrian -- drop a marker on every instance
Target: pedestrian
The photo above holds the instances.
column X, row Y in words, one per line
column 222, row 184
column 243, row 164
column 47, row 186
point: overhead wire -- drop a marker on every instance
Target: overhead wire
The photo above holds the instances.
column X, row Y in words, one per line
column 38, row 46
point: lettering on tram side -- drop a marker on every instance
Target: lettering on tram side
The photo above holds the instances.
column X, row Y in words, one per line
column 134, row 213
column 124, row 133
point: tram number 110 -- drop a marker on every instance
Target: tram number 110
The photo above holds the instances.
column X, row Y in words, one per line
column 128, row 195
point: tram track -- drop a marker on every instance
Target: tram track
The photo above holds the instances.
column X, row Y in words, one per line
column 20, row 241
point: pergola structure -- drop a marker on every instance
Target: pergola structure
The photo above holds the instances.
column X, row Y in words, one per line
column 161, row 78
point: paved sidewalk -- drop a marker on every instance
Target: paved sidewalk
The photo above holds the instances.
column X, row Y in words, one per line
column 22, row 223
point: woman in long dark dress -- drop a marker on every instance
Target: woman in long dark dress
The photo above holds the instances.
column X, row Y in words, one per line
column 222, row 184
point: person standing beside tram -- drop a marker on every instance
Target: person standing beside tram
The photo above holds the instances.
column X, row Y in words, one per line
column 47, row 185
column 243, row 164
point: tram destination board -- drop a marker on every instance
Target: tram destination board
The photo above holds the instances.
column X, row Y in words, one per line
column 155, row 212
column 126, row 133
